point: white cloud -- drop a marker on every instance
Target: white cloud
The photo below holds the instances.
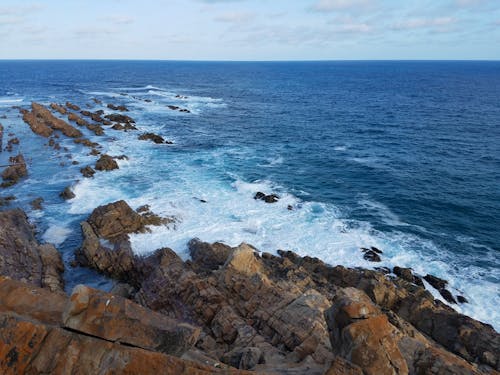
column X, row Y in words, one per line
column 418, row 23
column 235, row 17
column 120, row 19
column 333, row 5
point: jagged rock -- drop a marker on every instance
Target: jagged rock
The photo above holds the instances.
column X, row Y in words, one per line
column 86, row 142
column 72, row 106
column 440, row 285
column 407, row 274
column 114, row 220
column 88, row 171
column 115, row 117
column 33, row 339
column 36, row 204
column 372, row 254
column 10, row 144
column 106, row 163
column 58, row 108
column 115, row 318
column 15, row 171
column 208, row 256
column 23, row 258
column 67, row 193
column 121, row 108
column 152, row 137
column 42, row 119
column 268, row 198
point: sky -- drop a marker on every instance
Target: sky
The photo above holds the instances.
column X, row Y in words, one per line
column 250, row 29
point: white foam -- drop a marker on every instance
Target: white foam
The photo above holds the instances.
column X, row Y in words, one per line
column 56, row 234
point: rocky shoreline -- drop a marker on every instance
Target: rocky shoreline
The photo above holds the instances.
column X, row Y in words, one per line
column 226, row 310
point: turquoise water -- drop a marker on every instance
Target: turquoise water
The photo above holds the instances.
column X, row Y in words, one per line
column 403, row 156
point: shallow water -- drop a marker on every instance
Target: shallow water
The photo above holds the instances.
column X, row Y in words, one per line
column 403, row 156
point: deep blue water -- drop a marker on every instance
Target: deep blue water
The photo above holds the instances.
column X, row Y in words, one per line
column 401, row 155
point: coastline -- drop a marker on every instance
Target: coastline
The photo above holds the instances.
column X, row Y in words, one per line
column 255, row 311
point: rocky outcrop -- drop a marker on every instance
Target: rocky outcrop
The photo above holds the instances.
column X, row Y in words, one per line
column 87, row 171
column 158, row 139
column 43, row 118
column 113, row 223
column 106, row 163
column 58, row 108
column 120, row 108
column 14, row 172
column 72, row 106
column 23, row 258
column 47, row 333
column 287, row 314
column 123, row 119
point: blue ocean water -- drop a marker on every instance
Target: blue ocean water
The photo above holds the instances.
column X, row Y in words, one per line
column 404, row 156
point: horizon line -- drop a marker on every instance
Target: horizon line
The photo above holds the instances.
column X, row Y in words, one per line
column 253, row 61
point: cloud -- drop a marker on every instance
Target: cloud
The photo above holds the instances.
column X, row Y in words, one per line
column 336, row 5
column 119, row 19
column 235, row 17
column 92, row 31
column 419, row 23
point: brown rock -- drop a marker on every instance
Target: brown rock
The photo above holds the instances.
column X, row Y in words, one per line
column 88, row 171
column 36, row 204
column 67, row 193
column 43, row 115
column 72, row 106
column 117, row 319
column 58, row 108
column 106, row 163
column 16, row 170
column 114, row 220
column 121, row 108
column 151, row 137
column 115, row 117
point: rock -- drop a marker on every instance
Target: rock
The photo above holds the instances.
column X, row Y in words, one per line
column 268, row 198
column 371, row 255
column 15, row 171
column 436, row 282
column 10, row 144
column 44, row 116
column 462, row 299
column 106, row 163
column 1, row 137
column 121, row 108
column 67, row 193
column 23, row 258
column 151, row 137
column 85, row 142
column 36, row 204
column 173, row 107
column 4, row 201
column 58, row 108
column 96, row 101
column 115, row 219
column 115, row 117
column 88, row 171
column 407, row 274
column 72, row 106
column 208, row 256
column 115, row 318
column 33, row 339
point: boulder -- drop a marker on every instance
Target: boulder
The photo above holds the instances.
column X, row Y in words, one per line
column 106, row 163
column 87, row 171
column 72, row 106
column 58, row 108
column 15, row 171
column 115, row 219
column 115, row 117
column 268, row 198
column 36, row 204
column 152, row 137
column 67, row 193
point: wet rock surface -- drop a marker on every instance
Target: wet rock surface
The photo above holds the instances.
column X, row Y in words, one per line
column 268, row 198
column 153, row 138
column 106, row 163
column 14, row 172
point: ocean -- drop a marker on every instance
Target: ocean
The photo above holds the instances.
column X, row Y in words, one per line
column 403, row 156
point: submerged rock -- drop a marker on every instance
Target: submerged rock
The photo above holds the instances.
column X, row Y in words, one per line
column 67, row 193
column 36, row 204
column 72, row 106
column 87, row 171
column 121, row 108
